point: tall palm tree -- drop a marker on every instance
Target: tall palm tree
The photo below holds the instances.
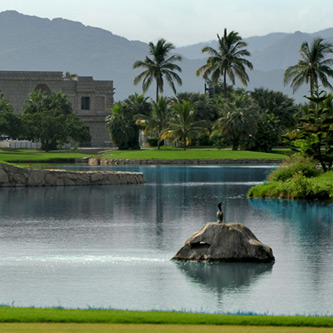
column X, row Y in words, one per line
column 313, row 66
column 229, row 60
column 157, row 67
column 239, row 119
column 157, row 120
column 182, row 125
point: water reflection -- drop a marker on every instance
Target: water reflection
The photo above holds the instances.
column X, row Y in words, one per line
column 110, row 245
column 219, row 277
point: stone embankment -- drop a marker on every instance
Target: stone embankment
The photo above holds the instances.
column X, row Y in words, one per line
column 16, row 176
column 113, row 161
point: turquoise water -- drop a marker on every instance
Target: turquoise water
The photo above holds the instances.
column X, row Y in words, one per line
column 110, row 246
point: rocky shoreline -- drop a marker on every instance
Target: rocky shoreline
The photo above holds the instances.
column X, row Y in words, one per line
column 12, row 176
column 93, row 161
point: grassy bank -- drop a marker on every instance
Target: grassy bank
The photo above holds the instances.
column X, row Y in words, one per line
column 36, row 315
column 24, row 156
column 31, row 155
column 153, row 328
column 177, row 153
column 296, row 180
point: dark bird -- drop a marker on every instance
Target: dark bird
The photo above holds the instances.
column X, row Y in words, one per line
column 220, row 213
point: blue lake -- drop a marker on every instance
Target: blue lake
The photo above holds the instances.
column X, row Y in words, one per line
column 110, row 246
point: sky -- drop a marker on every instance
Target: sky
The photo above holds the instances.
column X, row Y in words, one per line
column 184, row 22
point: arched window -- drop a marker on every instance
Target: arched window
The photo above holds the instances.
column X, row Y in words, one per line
column 44, row 88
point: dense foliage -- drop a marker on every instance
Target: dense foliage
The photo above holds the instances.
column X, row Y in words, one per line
column 10, row 123
column 313, row 137
column 156, row 121
column 122, row 127
column 50, row 119
column 182, row 125
column 297, row 178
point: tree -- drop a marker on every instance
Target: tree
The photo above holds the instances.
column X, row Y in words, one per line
column 157, row 120
column 182, row 125
column 204, row 107
column 10, row 123
column 267, row 134
column 278, row 104
column 138, row 104
column 239, row 119
column 50, row 119
column 314, row 136
column 70, row 76
column 313, row 66
column 158, row 67
column 121, row 125
column 229, row 60
column 276, row 114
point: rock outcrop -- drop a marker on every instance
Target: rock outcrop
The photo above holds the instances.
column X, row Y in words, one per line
column 16, row 176
column 224, row 242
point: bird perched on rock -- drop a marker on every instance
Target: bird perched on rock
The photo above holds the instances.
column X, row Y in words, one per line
column 220, row 213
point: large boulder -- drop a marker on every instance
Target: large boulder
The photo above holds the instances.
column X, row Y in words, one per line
column 220, row 242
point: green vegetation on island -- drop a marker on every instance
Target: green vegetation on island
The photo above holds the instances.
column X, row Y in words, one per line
column 296, row 179
column 307, row 176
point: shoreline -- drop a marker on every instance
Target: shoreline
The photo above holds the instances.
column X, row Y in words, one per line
column 95, row 161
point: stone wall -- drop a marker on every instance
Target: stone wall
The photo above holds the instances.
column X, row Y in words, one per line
column 16, row 176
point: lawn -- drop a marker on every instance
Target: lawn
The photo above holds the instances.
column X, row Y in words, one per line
column 204, row 154
column 37, row 315
column 26, row 156
column 153, row 328
column 31, row 155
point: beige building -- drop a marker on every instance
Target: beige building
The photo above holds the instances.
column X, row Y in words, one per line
column 91, row 100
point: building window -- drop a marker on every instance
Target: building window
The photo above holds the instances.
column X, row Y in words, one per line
column 85, row 103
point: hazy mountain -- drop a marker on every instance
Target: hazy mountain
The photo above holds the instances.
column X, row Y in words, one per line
column 33, row 43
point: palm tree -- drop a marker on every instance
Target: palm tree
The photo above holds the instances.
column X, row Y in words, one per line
column 239, row 119
column 312, row 67
column 138, row 104
column 277, row 103
column 228, row 60
column 182, row 125
column 157, row 120
column 157, row 67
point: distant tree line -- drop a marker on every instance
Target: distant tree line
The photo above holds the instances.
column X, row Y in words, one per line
column 253, row 120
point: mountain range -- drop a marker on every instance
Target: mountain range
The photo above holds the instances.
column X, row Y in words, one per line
column 39, row 44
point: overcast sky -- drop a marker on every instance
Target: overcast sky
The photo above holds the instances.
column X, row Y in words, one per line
column 184, row 22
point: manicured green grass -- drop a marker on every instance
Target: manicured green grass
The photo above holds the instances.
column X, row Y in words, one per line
column 31, row 155
column 176, row 154
column 17, row 156
column 152, row 328
column 37, row 315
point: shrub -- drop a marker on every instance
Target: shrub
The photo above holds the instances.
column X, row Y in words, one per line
column 298, row 180
column 293, row 166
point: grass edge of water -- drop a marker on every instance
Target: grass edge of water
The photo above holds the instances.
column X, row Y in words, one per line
column 10, row 314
